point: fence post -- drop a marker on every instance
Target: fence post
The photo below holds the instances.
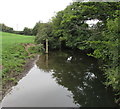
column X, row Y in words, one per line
column 47, row 46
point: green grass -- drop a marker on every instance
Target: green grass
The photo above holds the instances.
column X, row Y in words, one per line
column 9, row 39
column 13, row 54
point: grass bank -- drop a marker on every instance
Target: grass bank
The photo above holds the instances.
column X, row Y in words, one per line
column 14, row 57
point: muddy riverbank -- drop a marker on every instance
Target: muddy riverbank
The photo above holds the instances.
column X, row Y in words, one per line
column 26, row 68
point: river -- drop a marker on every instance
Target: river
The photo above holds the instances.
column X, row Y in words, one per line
column 61, row 79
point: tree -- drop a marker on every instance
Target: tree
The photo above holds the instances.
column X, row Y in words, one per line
column 27, row 31
column 44, row 34
column 36, row 28
column 70, row 27
column 5, row 28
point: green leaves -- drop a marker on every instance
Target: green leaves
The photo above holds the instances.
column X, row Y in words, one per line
column 69, row 29
column 114, row 28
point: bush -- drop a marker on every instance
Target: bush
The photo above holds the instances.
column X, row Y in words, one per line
column 36, row 49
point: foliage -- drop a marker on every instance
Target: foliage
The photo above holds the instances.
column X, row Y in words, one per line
column 5, row 28
column 45, row 32
column 37, row 49
column 70, row 29
column 70, row 25
column 36, row 27
column 27, row 31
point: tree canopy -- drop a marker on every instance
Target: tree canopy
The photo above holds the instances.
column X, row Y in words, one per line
column 69, row 28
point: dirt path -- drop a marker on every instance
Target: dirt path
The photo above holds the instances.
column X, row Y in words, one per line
column 1, row 67
column 27, row 46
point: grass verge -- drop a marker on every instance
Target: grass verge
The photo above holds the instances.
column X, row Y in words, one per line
column 14, row 57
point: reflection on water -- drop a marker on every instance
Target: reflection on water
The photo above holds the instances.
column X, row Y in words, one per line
column 80, row 75
column 38, row 89
column 61, row 79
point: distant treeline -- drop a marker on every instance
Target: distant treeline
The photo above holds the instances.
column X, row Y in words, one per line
column 26, row 30
column 5, row 28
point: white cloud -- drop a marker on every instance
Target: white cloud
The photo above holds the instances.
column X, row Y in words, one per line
column 25, row 13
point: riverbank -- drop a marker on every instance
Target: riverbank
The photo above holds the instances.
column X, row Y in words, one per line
column 15, row 58
column 28, row 65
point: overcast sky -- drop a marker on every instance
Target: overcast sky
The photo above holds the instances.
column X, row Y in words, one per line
column 25, row 13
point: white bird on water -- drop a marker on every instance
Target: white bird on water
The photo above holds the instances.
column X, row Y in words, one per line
column 69, row 59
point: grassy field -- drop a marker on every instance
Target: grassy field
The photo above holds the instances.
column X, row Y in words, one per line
column 13, row 55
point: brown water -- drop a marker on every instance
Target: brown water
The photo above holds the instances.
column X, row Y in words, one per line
column 61, row 79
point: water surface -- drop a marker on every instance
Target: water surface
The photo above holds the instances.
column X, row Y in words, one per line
column 61, row 79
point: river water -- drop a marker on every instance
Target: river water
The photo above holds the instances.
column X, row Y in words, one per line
column 61, row 79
